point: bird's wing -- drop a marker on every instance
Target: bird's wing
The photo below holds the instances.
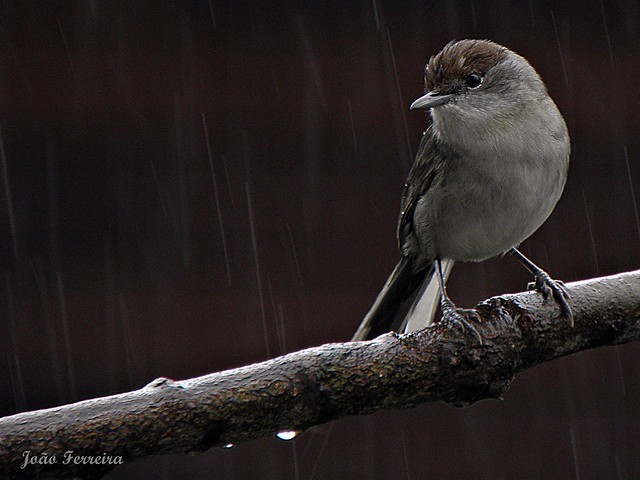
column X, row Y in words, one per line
column 400, row 305
column 423, row 174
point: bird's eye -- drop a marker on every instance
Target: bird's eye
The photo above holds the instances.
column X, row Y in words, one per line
column 474, row 80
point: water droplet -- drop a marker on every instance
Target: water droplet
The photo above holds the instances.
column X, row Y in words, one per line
column 228, row 445
column 287, row 435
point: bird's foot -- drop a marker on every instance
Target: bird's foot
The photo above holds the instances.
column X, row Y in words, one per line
column 548, row 287
column 459, row 316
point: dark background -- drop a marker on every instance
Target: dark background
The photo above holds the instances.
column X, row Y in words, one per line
column 128, row 253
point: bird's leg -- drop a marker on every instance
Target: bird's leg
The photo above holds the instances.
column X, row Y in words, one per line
column 449, row 309
column 546, row 285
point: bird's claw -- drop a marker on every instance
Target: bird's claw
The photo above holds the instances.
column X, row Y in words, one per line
column 456, row 315
column 548, row 287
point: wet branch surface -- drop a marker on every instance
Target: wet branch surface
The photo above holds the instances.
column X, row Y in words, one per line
column 317, row 385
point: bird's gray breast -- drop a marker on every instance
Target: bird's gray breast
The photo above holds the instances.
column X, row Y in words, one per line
column 491, row 197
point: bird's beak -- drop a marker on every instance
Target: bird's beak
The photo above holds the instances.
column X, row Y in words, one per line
column 431, row 99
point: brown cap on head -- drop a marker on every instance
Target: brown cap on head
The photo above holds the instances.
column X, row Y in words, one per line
column 459, row 59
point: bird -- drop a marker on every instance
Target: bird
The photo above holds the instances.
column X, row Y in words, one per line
column 489, row 171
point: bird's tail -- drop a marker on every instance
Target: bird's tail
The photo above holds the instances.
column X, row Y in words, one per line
column 408, row 301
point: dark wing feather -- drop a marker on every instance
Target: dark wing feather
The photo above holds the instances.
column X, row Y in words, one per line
column 423, row 173
column 412, row 274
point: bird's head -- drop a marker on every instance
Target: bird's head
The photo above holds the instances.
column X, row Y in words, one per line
column 472, row 81
column 482, row 95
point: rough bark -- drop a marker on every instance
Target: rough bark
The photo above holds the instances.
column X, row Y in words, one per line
column 441, row 363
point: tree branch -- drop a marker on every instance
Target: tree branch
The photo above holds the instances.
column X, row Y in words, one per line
column 313, row 386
